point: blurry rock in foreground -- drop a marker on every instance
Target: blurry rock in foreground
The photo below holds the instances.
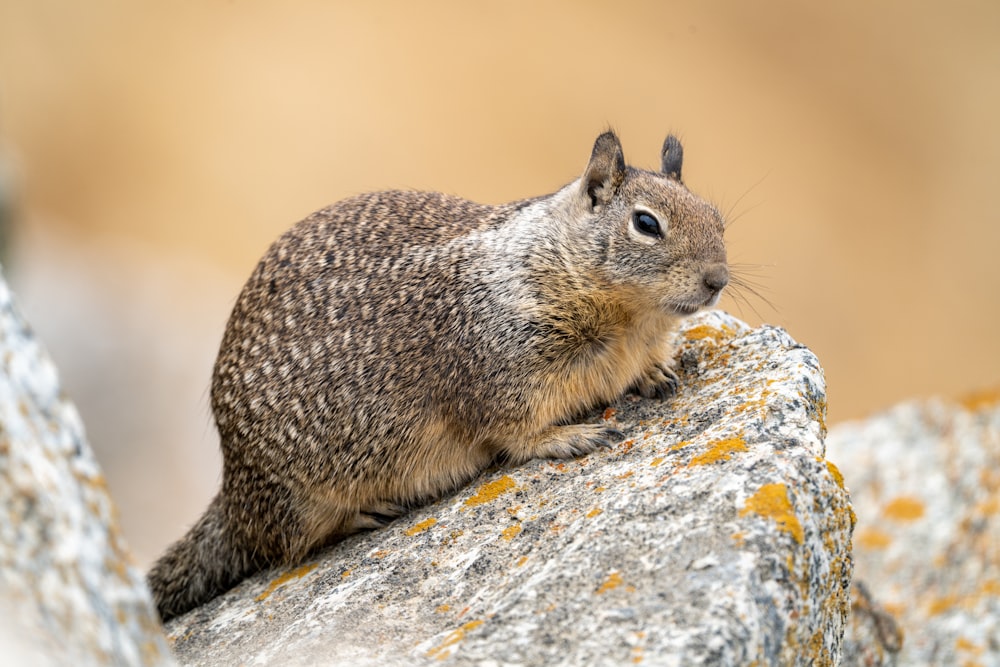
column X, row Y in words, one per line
column 69, row 594
column 925, row 482
column 716, row 534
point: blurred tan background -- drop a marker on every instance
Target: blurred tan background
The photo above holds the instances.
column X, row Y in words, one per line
column 149, row 154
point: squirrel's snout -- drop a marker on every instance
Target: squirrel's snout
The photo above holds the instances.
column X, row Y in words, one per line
column 716, row 277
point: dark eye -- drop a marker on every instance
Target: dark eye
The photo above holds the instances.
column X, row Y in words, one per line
column 647, row 224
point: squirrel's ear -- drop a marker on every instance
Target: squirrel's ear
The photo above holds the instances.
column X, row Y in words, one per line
column 605, row 172
column 673, row 158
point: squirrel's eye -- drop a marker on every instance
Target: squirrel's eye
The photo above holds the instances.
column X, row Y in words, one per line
column 647, row 224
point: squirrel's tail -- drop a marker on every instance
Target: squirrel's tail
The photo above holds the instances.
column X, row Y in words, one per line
column 199, row 566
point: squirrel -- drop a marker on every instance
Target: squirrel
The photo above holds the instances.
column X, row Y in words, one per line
column 390, row 347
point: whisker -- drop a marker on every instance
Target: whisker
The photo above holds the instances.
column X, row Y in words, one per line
column 729, row 217
column 756, row 293
column 745, row 282
column 740, row 299
column 742, row 282
column 742, row 269
column 731, row 220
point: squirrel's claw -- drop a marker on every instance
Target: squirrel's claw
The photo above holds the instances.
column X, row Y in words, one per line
column 565, row 442
column 660, row 382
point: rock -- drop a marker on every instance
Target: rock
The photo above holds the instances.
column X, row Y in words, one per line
column 69, row 593
column 872, row 637
column 925, row 481
column 717, row 533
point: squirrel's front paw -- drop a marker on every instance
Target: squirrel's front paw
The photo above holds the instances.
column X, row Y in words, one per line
column 579, row 439
column 566, row 442
column 660, row 381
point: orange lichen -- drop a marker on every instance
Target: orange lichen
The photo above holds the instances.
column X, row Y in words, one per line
column 613, row 581
column 421, row 527
column 963, row 644
column 904, row 508
column 988, row 507
column 819, row 408
column 980, row 399
column 594, row 512
column 521, row 561
column 657, row 461
column 491, row 491
column 453, row 638
column 608, row 414
column 704, row 331
column 345, row 574
column 511, row 531
column 990, row 587
column 942, row 604
column 895, row 609
column 720, row 450
column 838, row 477
column 771, row 501
column 871, row 538
column 297, row 573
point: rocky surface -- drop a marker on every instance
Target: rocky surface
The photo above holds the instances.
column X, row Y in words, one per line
column 717, row 533
column 69, row 594
column 925, row 482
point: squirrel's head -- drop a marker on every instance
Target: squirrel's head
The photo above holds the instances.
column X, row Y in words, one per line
column 653, row 235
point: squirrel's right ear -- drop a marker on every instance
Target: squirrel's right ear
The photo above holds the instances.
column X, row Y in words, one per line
column 605, row 172
column 673, row 158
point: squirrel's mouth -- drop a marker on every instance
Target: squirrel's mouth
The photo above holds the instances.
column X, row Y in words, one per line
column 692, row 305
column 685, row 308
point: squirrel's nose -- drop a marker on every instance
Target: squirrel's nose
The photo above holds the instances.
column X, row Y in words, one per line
column 716, row 277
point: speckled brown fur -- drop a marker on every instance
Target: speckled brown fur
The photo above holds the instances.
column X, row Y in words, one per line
column 387, row 348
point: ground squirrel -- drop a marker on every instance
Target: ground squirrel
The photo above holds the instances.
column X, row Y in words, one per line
column 391, row 346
